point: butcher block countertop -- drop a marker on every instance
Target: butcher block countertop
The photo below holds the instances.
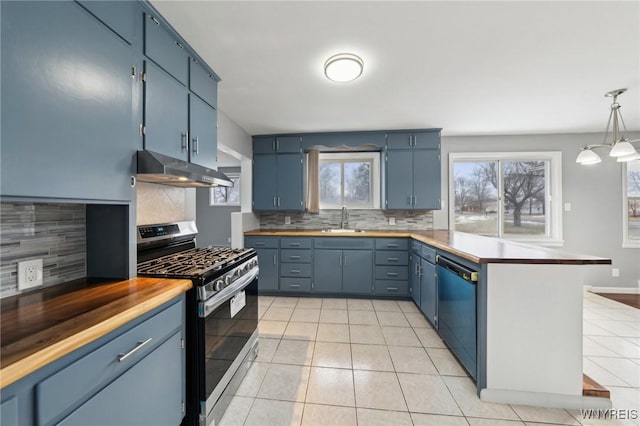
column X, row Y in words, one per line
column 475, row 248
column 39, row 327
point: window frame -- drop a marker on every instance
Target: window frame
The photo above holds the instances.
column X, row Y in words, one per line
column 232, row 176
column 553, row 181
column 626, row 242
column 374, row 158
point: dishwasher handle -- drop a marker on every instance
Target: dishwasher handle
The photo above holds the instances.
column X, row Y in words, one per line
column 462, row 271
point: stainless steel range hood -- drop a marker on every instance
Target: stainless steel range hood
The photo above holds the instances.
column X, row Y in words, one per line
column 158, row 168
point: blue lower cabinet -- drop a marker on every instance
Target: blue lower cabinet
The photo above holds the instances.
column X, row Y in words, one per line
column 357, row 275
column 414, row 278
column 268, row 264
column 9, row 412
column 327, row 271
column 428, row 291
column 149, row 393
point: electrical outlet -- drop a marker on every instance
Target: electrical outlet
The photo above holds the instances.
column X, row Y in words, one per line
column 567, row 207
column 287, row 220
column 392, row 220
column 615, row 272
column 29, row 274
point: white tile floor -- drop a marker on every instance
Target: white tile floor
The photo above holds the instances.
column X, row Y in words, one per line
column 378, row 362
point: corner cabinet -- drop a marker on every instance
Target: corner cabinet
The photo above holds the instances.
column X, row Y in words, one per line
column 67, row 96
column 278, row 177
column 412, row 164
column 111, row 381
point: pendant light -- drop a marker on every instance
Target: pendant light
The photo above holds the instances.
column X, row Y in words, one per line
column 620, row 147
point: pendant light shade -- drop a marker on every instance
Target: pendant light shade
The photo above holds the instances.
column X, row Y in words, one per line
column 587, row 156
column 620, row 147
column 343, row 67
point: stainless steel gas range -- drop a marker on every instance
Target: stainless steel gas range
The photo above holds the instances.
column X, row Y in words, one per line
column 222, row 312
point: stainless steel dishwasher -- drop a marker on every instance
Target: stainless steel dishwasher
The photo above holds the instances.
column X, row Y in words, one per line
column 457, row 310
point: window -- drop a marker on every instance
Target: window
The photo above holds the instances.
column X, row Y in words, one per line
column 507, row 195
column 349, row 179
column 226, row 196
column 631, row 205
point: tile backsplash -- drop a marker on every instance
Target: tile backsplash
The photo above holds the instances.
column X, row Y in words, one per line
column 55, row 233
column 359, row 219
column 160, row 203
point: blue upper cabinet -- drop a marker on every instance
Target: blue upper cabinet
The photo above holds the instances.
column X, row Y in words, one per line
column 277, row 182
column 67, row 87
column 165, row 50
column 203, row 133
column 273, row 144
column 166, row 114
column 413, row 170
column 120, row 16
column 289, row 182
column 265, row 186
column 203, row 83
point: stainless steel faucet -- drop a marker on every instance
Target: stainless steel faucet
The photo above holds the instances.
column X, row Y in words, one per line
column 344, row 220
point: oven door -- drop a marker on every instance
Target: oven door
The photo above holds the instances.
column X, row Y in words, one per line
column 230, row 336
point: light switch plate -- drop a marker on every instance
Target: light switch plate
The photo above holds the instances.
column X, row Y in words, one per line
column 29, row 274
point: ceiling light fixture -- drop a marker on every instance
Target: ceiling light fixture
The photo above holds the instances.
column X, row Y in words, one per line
column 621, row 147
column 343, row 67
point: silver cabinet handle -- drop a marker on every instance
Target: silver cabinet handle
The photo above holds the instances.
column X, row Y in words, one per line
column 410, row 199
column 274, row 259
column 392, row 245
column 277, row 145
column 392, row 274
column 185, row 141
column 340, row 260
column 345, row 260
column 294, row 285
column 278, row 201
column 122, row 357
column 294, row 271
column 196, row 145
column 417, row 271
column 294, row 257
column 294, row 244
column 392, row 259
column 392, row 288
column 415, row 200
column 273, row 145
column 410, row 140
column 259, row 244
column 274, row 201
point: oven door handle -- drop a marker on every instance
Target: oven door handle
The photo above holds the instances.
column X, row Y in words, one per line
column 205, row 308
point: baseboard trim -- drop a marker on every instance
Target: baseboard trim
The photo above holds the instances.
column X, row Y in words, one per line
column 615, row 290
column 539, row 399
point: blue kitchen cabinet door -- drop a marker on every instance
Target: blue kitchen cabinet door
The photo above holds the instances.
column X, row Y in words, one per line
column 426, row 179
column 120, row 16
column 149, row 393
column 414, row 278
column 288, row 144
column 327, row 271
column 264, row 182
column 203, row 135
column 426, row 140
column 264, row 145
column 428, row 291
column 400, row 140
column 166, row 114
column 162, row 47
column 9, row 412
column 399, row 191
column 357, row 275
column 289, row 182
column 67, row 93
column 268, row 263
column 203, row 84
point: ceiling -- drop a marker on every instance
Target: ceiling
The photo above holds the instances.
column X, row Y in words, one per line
column 472, row 68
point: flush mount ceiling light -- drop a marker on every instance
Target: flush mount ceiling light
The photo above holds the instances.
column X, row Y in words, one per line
column 343, row 67
column 620, row 147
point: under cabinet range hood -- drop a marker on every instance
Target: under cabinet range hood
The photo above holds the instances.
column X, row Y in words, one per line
column 159, row 168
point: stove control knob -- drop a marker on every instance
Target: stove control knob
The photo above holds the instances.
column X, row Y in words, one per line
column 246, row 268
column 219, row 285
column 227, row 280
column 238, row 272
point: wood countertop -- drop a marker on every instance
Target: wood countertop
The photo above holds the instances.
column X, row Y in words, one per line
column 475, row 248
column 40, row 327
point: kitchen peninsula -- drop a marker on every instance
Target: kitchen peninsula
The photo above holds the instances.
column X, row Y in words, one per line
column 528, row 302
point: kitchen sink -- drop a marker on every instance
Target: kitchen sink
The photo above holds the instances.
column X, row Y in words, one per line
column 338, row 230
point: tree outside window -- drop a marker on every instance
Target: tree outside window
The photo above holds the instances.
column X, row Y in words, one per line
column 226, row 196
column 348, row 179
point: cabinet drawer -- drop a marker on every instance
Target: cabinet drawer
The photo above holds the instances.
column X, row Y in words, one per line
column 428, row 254
column 343, row 243
column 391, row 288
column 416, row 247
column 296, row 256
column 261, row 242
column 60, row 391
column 392, row 244
column 392, row 272
column 292, row 242
column 165, row 50
column 295, row 270
column 295, row 284
column 392, row 257
column 203, row 84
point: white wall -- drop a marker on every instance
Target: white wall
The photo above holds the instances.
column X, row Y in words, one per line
column 594, row 224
